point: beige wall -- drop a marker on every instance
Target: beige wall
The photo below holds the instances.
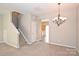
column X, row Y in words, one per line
column 1, row 28
column 77, row 41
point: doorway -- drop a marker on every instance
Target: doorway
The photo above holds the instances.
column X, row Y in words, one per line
column 45, row 31
column 47, row 34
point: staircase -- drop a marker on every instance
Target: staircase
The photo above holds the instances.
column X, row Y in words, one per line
column 22, row 38
column 22, row 42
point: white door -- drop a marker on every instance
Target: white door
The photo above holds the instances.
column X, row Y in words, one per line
column 1, row 35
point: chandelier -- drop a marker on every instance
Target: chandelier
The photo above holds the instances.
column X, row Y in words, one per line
column 59, row 20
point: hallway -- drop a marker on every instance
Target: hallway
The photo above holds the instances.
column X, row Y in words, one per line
column 36, row 49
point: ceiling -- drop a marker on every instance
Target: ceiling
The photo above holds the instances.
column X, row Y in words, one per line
column 38, row 8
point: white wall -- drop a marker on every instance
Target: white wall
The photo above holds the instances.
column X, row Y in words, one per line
column 38, row 28
column 25, row 25
column 65, row 34
column 4, row 20
column 12, row 36
column 29, row 25
column 33, row 31
column 9, row 32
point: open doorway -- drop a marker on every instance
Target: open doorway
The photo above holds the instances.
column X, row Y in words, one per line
column 45, row 30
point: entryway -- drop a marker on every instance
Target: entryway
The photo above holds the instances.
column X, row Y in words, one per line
column 45, row 30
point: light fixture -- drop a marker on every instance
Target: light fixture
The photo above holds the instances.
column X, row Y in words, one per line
column 59, row 20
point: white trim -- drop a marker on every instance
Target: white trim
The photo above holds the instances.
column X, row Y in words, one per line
column 15, row 29
column 11, row 45
column 62, row 45
column 28, row 42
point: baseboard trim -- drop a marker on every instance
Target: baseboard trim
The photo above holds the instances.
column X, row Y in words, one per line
column 62, row 45
column 12, row 45
column 9, row 44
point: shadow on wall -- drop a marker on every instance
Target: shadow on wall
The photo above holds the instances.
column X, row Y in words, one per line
column 15, row 18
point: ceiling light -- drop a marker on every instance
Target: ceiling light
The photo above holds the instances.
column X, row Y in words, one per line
column 59, row 20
